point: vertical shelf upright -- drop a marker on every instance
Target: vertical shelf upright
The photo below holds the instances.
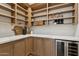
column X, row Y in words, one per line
column 14, row 14
column 29, row 20
column 26, row 20
column 47, row 15
column 76, row 13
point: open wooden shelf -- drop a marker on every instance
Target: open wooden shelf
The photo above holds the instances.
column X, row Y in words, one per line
column 22, row 14
column 39, row 10
column 52, row 7
column 60, row 6
column 11, row 11
column 66, row 11
column 62, row 18
column 40, row 15
column 54, row 13
column 6, row 7
column 21, row 20
column 22, row 8
column 5, row 15
column 64, row 8
column 57, row 18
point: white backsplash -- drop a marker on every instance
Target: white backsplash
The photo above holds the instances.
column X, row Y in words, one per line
column 66, row 29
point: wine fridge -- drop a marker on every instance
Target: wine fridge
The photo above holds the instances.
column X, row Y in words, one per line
column 67, row 48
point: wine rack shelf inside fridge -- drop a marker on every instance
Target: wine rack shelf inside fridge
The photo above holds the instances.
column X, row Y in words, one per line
column 73, row 49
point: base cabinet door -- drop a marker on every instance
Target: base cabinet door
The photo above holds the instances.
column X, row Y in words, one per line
column 6, row 49
column 29, row 46
column 38, row 47
column 44, row 47
column 49, row 47
column 19, row 48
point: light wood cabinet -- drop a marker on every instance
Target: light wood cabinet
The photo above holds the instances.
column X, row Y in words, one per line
column 6, row 49
column 38, row 48
column 19, row 47
column 44, row 47
column 29, row 46
column 49, row 47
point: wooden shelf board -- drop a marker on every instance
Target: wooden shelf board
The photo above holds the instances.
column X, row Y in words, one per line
column 40, row 15
column 62, row 12
column 59, row 6
column 21, row 20
column 22, row 14
column 39, row 10
column 22, row 8
column 40, row 20
column 58, row 18
column 52, row 7
column 55, row 13
column 6, row 7
column 62, row 18
column 5, row 15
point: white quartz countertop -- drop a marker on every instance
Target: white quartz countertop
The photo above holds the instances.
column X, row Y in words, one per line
column 12, row 38
column 18, row 37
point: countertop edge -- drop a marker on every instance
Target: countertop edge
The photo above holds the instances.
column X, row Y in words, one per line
column 18, row 37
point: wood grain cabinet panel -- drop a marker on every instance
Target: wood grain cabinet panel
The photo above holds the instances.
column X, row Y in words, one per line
column 38, row 47
column 49, row 47
column 6, row 49
column 19, row 47
column 29, row 46
column 44, row 47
